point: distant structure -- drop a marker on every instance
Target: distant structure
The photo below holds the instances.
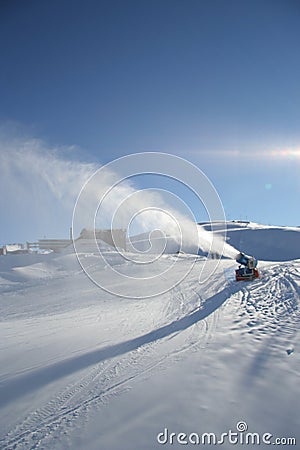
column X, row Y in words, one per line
column 56, row 245
column 13, row 249
column 116, row 238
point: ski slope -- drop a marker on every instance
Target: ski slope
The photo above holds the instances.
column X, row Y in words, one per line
column 85, row 369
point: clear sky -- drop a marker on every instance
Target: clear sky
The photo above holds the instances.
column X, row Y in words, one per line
column 216, row 82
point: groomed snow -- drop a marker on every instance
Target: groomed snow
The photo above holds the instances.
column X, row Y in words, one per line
column 85, row 369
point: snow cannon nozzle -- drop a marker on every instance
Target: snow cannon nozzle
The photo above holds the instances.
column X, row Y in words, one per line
column 249, row 271
column 247, row 261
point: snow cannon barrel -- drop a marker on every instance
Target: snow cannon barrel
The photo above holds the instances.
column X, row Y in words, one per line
column 247, row 261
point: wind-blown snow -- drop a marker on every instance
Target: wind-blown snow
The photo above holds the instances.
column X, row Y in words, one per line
column 52, row 185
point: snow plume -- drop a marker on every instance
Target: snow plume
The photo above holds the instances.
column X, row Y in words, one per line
column 215, row 244
column 39, row 188
column 40, row 185
column 109, row 201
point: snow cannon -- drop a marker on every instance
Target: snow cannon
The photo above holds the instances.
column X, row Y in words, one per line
column 247, row 269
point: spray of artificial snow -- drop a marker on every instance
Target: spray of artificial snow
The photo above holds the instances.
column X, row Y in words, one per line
column 214, row 243
column 44, row 188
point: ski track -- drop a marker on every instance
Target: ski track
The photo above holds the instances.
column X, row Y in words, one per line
column 106, row 379
column 268, row 305
column 96, row 388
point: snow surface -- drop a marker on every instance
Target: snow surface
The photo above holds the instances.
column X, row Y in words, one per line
column 85, row 369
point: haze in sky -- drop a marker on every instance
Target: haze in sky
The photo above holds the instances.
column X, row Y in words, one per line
column 85, row 82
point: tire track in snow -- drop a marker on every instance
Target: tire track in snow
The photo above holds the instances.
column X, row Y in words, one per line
column 105, row 379
column 60, row 413
column 271, row 305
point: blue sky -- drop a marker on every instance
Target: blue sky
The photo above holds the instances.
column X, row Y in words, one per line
column 216, row 82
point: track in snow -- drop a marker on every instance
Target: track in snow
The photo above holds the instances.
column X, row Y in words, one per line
column 267, row 306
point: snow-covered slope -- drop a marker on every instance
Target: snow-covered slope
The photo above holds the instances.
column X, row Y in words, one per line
column 267, row 243
column 85, row 369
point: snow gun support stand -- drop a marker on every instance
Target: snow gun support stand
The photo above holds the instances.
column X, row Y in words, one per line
column 247, row 269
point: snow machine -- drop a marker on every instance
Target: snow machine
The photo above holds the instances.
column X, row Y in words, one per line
column 247, row 268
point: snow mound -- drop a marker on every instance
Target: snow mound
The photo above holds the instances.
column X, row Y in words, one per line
column 265, row 242
column 268, row 244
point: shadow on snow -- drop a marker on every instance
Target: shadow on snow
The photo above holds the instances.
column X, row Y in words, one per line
column 23, row 384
